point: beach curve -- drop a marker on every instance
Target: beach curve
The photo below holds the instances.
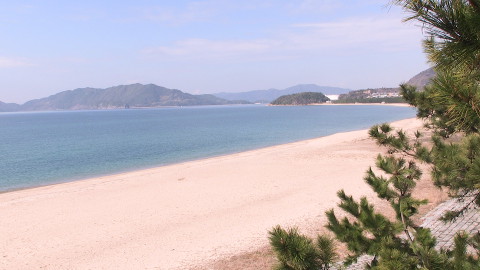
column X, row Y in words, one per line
column 183, row 215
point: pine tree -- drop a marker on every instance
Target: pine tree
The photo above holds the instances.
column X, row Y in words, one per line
column 451, row 105
column 451, row 102
column 298, row 252
column 366, row 231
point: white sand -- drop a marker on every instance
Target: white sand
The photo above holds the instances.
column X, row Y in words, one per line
column 186, row 214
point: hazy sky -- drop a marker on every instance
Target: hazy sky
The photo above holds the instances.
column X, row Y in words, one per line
column 203, row 46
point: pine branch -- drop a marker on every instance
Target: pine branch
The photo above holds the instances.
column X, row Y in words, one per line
column 405, row 225
column 451, row 215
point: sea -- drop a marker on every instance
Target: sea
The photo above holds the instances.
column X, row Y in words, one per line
column 42, row 148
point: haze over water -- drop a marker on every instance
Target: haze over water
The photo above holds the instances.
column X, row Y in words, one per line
column 51, row 147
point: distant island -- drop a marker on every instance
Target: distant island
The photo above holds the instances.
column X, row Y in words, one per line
column 117, row 97
column 269, row 95
column 305, row 98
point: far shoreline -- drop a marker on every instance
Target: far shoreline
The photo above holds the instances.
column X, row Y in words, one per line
column 203, row 106
column 347, row 104
column 374, row 104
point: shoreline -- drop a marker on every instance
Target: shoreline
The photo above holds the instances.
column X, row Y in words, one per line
column 196, row 106
column 154, row 168
column 373, row 104
column 186, row 214
column 347, row 104
column 56, row 181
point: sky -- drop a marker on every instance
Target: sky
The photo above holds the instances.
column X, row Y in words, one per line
column 204, row 46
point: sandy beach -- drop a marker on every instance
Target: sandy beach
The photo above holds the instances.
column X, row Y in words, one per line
column 183, row 215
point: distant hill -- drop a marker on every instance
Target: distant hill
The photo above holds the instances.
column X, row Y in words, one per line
column 422, row 79
column 9, row 107
column 150, row 95
column 372, row 95
column 267, row 96
column 387, row 95
column 305, row 98
column 123, row 96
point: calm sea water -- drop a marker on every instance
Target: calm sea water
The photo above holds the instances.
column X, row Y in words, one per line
column 51, row 147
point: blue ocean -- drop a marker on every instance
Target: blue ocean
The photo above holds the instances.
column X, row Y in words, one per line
column 43, row 148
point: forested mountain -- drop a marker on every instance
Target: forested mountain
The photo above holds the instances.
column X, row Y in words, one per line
column 305, row 98
column 123, row 96
column 267, row 96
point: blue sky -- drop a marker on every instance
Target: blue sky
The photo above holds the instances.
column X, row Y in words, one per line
column 203, row 46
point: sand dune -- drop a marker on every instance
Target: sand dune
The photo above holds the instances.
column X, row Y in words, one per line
column 183, row 215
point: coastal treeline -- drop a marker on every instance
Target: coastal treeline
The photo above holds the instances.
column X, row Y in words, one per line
column 378, row 95
column 304, row 98
column 371, row 100
column 450, row 105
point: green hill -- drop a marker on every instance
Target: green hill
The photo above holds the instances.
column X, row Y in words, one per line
column 123, row 96
column 305, row 98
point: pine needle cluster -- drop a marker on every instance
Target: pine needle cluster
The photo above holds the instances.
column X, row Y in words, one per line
column 298, row 252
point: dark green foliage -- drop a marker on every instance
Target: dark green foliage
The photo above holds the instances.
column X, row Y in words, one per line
column 397, row 189
column 399, row 142
column 363, row 231
column 450, row 104
column 371, row 100
column 304, row 98
column 455, row 166
column 293, row 250
column 474, row 241
column 452, row 100
column 434, row 112
column 365, row 234
column 298, row 252
column 459, row 258
column 326, row 253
